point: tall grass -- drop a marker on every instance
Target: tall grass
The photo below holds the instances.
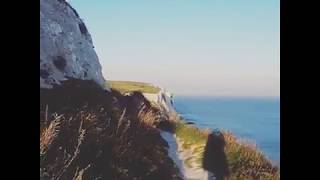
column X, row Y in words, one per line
column 246, row 161
column 87, row 133
column 48, row 134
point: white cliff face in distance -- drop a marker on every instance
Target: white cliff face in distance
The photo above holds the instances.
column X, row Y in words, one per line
column 166, row 99
column 163, row 98
column 66, row 49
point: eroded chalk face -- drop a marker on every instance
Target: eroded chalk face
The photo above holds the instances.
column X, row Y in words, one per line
column 66, row 49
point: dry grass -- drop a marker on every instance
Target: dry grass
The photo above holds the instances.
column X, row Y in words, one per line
column 100, row 135
column 49, row 134
column 246, row 161
column 147, row 117
column 110, row 136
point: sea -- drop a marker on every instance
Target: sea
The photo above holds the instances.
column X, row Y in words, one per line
column 256, row 119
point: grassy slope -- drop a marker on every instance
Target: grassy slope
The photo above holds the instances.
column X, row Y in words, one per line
column 87, row 133
column 130, row 86
column 244, row 160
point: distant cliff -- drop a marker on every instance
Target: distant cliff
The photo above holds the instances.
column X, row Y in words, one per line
column 158, row 96
column 163, row 98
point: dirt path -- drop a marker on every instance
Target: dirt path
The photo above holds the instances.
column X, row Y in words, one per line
column 185, row 159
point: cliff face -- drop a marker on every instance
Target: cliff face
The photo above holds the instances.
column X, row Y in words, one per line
column 162, row 98
column 66, row 49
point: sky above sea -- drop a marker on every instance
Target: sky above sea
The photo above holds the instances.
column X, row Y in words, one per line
column 207, row 47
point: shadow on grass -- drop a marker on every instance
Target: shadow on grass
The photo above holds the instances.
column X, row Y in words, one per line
column 214, row 159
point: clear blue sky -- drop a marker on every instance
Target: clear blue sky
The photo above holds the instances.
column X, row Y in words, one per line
column 190, row 47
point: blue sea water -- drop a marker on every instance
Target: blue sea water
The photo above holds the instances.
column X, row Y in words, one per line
column 256, row 119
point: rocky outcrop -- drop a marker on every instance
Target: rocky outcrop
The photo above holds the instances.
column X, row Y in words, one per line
column 66, row 49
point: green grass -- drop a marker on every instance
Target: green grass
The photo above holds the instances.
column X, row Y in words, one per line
column 192, row 138
column 130, row 86
column 189, row 135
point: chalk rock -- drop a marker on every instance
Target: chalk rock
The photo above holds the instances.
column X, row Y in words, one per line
column 66, row 49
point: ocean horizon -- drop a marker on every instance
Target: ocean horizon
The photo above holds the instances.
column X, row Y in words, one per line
column 256, row 119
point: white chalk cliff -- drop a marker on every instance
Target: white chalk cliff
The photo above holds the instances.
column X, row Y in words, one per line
column 66, row 49
column 163, row 98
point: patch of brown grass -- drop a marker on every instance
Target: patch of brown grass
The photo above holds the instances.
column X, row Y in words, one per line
column 148, row 118
column 49, row 134
column 246, row 161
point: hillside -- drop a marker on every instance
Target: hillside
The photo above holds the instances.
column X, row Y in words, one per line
column 89, row 133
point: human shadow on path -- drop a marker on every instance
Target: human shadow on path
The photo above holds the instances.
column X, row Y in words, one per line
column 214, row 159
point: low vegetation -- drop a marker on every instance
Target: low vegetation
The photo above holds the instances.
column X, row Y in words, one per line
column 88, row 133
column 246, row 161
column 130, row 86
column 243, row 160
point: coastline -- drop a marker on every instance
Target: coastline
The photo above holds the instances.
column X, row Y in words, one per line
column 254, row 119
column 195, row 152
column 92, row 127
column 201, row 150
column 275, row 162
column 128, row 126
